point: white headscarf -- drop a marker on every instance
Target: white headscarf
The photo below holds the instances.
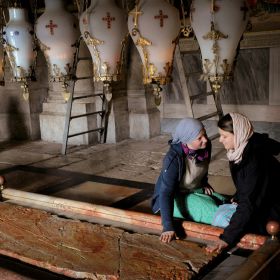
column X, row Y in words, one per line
column 242, row 130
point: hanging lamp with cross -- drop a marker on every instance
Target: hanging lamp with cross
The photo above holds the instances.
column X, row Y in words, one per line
column 57, row 33
column 218, row 27
column 103, row 27
column 154, row 25
column 18, row 42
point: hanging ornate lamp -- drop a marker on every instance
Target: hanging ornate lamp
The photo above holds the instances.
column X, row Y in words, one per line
column 218, row 26
column 57, row 32
column 154, row 25
column 103, row 27
column 19, row 46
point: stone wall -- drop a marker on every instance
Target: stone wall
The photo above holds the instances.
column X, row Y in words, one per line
column 19, row 119
column 254, row 89
column 250, row 84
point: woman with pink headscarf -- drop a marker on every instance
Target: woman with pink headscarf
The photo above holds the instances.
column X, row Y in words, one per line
column 256, row 175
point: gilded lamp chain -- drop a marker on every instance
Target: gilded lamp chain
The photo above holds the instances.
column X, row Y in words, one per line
column 215, row 80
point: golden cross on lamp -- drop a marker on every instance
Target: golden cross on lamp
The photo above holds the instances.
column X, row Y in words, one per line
column 135, row 13
column 214, row 34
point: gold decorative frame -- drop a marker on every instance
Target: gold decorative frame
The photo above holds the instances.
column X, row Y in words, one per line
column 217, row 79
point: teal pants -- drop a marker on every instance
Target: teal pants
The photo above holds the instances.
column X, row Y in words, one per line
column 197, row 206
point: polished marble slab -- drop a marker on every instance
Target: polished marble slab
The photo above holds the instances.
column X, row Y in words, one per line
column 96, row 193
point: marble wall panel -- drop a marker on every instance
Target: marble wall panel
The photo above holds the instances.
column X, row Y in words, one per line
column 251, row 79
column 192, row 65
column 249, row 86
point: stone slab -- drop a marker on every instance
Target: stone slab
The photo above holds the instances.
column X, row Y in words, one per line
column 97, row 193
column 72, row 248
column 20, row 157
column 121, row 218
column 84, row 250
column 30, row 181
column 57, row 162
column 225, row 269
column 143, row 255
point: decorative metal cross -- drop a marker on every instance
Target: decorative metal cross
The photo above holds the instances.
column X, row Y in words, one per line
column 244, row 9
column 51, row 26
column 135, row 13
column 108, row 18
column 161, row 17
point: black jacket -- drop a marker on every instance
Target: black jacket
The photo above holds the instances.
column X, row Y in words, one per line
column 257, row 182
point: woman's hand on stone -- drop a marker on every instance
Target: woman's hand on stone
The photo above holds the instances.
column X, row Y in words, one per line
column 167, row 236
column 217, row 247
column 208, row 190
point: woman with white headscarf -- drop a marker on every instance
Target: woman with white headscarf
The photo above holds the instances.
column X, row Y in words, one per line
column 256, row 175
column 184, row 170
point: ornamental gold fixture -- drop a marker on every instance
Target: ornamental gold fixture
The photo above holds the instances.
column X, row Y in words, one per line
column 154, row 26
column 218, row 27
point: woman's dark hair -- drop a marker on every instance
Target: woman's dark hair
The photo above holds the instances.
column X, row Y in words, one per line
column 225, row 123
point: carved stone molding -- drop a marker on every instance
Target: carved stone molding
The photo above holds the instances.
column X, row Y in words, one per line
column 263, row 39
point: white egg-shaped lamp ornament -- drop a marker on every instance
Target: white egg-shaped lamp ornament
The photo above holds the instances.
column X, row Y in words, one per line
column 154, row 26
column 19, row 46
column 57, row 32
column 218, row 27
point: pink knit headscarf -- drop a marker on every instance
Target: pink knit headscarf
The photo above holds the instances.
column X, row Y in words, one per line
column 242, row 130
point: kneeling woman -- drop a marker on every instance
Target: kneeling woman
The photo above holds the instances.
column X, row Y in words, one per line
column 183, row 182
